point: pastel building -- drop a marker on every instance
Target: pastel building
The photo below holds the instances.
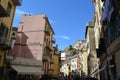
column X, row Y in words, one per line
column 34, row 42
column 80, row 46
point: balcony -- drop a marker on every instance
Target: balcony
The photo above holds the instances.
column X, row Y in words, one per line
column 51, row 61
column 45, row 58
column 17, row 2
column 53, row 40
column 48, row 47
column 46, row 55
column 7, row 45
column 3, row 12
column 47, row 32
column 3, row 40
column 4, row 44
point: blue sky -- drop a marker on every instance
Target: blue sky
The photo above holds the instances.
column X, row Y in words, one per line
column 68, row 18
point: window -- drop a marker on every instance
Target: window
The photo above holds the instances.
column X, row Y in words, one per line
column 118, row 22
column 106, row 37
column 13, row 34
column 9, row 8
column 3, row 32
column 0, row 58
column 111, row 32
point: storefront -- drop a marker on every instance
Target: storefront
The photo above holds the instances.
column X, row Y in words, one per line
column 22, row 68
column 26, row 69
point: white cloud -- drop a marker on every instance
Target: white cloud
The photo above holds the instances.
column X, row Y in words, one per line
column 20, row 12
column 65, row 37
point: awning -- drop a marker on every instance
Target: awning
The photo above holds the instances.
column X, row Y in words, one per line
column 27, row 69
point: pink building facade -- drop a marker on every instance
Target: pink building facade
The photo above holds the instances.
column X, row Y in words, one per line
column 30, row 42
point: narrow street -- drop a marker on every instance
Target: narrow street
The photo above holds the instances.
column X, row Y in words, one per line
column 59, row 40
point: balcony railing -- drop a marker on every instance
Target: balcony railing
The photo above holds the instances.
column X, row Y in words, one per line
column 17, row 2
column 45, row 58
column 3, row 12
column 48, row 47
column 47, row 32
column 3, row 40
column 53, row 40
column 51, row 61
column 5, row 44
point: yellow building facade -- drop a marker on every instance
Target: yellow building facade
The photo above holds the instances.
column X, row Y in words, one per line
column 7, row 10
column 56, row 64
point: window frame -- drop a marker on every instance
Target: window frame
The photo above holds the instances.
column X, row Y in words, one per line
column 4, row 31
column 9, row 8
